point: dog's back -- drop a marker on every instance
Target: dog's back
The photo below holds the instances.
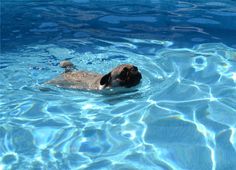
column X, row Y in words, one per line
column 77, row 80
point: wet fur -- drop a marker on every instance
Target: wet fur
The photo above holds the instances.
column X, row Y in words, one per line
column 125, row 75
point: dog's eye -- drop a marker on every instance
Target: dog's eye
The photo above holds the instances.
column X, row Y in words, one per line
column 134, row 68
column 125, row 69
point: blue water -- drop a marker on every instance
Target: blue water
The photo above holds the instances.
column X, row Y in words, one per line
column 181, row 117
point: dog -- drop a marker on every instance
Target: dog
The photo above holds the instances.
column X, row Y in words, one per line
column 125, row 75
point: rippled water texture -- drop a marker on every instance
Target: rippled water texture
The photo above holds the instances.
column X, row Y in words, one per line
column 182, row 115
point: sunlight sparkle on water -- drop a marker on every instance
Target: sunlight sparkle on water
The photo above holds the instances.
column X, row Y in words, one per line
column 89, row 106
column 1, row 167
column 234, row 76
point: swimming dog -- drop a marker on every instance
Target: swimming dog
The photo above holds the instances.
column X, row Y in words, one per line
column 125, row 75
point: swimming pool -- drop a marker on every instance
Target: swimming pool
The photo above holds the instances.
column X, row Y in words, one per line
column 181, row 117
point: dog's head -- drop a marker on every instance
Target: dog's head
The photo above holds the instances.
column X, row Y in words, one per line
column 125, row 75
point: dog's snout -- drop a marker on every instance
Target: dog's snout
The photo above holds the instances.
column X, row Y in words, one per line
column 139, row 76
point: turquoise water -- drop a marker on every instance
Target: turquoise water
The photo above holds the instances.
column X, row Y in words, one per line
column 181, row 117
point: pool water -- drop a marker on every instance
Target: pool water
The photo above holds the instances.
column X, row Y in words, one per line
column 181, row 117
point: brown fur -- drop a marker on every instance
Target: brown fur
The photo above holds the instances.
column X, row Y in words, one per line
column 125, row 75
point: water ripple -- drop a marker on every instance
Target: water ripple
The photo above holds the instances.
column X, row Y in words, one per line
column 181, row 116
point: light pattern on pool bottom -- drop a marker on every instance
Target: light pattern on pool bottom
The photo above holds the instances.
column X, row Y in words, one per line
column 181, row 117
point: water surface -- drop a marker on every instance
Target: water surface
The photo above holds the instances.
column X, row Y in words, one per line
column 182, row 115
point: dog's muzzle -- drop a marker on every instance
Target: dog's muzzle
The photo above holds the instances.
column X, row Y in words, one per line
column 132, row 80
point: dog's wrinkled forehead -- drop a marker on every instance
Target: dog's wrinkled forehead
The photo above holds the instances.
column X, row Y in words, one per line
column 118, row 69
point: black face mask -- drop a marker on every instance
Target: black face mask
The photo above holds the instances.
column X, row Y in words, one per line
column 123, row 74
column 128, row 79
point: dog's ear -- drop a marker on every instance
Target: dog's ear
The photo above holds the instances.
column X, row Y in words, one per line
column 105, row 80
